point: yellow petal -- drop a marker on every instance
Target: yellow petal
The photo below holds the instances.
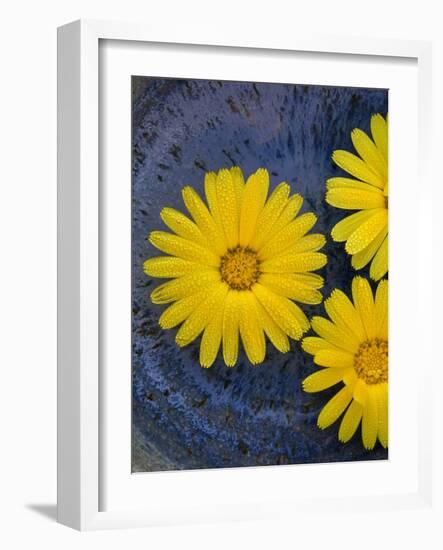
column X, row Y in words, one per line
column 381, row 310
column 294, row 263
column 184, row 286
column 379, row 131
column 363, row 257
column 358, row 168
column 313, row 344
column 251, row 332
column 169, row 267
column 231, row 327
column 187, row 250
column 309, row 243
column 201, row 316
column 334, row 358
column 211, row 197
column 239, row 184
column 349, row 183
column 344, row 228
column 379, row 266
column 270, row 213
column 350, row 379
column 182, row 226
column 342, row 312
column 254, row 198
column 383, row 413
column 289, row 286
column 367, row 231
column 335, row 335
column 287, row 315
column 355, row 199
column 360, row 392
column 272, row 330
column 204, row 220
column 309, row 279
column 364, row 303
column 370, row 153
column 288, row 236
column 287, row 215
column 179, row 311
column 334, row 408
column 211, row 339
column 323, row 379
column 350, row 421
column 229, row 213
column 369, row 428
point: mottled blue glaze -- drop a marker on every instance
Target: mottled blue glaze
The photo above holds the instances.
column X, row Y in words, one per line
column 184, row 416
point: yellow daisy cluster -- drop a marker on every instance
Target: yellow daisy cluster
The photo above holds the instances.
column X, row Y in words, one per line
column 352, row 348
column 238, row 266
column 365, row 231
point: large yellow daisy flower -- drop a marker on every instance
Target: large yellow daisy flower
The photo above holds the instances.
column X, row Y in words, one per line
column 366, row 231
column 237, row 267
column 353, row 348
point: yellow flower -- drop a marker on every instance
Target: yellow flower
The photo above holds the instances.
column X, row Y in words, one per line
column 366, row 231
column 237, row 267
column 353, row 348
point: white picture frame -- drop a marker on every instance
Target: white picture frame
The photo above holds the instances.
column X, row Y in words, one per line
column 80, row 412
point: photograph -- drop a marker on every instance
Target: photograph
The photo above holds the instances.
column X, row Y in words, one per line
column 259, row 274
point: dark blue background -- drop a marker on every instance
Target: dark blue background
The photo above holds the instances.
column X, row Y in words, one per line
column 184, row 416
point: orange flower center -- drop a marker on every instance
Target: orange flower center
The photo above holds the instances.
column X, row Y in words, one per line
column 371, row 361
column 239, row 268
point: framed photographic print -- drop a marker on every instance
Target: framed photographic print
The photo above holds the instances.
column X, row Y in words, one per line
column 225, row 213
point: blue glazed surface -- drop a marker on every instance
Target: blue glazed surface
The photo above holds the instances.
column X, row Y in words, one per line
column 184, row 416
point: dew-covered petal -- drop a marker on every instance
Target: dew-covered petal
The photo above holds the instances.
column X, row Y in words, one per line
column 211, row 339
column 343, row 313
column 169, row 267
column 201, row 316
column 251, row 331
column 231, row 327
column 288, row 236
column 364, row 304
column 381, row 310
column 334, row 408
column 204, row 220
column 184, row 286
column 182, row 248
column 179, row 311
column 334, row 358
column 367, row 231
column 383, row 413
column 289, row 286
column 370, row 153
column 379, row 131
column 379, row 265
column 335, row 335
column 350, row 422
column 229, row 212
column 323, row 379
column 275, row 334
column 355, row 199
column 270, row 213
column 344, row 228
column 287, row 315
column 182, row 226
column 369, row 428
column 362, row 258
column 294, row 263
column 357, row 167
column 254, row 198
